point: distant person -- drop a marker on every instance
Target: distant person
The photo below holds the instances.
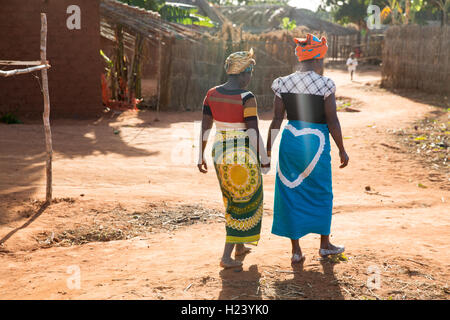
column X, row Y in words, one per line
column 236, row 151
column 352, row 62
column 303, row 191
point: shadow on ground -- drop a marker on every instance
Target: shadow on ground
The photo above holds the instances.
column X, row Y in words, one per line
column 280, row 285
column 309, row 284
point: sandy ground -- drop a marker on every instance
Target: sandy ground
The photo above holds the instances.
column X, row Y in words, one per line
column 396, row 235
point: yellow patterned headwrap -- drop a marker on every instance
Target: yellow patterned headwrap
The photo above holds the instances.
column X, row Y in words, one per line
column 239, row 62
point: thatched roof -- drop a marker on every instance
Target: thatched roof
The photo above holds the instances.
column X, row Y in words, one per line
column 263, row 18
column 138, row 20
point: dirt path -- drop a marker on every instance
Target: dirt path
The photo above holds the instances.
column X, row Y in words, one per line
column 396, row 234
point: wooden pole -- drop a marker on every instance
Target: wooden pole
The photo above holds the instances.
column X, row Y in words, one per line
column 46, row 115
column 158, row 104
column 19, row 63
column 14, row 72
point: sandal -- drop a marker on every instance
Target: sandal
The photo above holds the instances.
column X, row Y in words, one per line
column 327, row 252
column 296, row 258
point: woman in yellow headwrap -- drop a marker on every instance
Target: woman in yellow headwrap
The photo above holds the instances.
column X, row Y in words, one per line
column 236, row 153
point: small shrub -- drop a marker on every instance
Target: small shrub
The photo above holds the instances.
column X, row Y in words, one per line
column 10, row 118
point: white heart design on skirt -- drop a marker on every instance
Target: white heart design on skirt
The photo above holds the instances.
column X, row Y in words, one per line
column 302, row 176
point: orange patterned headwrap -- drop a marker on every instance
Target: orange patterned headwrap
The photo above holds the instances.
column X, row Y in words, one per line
column 310, row 48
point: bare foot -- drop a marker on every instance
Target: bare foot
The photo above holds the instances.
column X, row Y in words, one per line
column 230, row 263
column 241, row 250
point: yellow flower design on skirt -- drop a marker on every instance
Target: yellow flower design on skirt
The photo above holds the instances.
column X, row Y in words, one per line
column 239, row 177
column 244, row 224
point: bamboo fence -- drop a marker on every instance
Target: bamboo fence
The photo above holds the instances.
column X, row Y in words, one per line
column 189, row 69
column 417, row 57
column 191, row 61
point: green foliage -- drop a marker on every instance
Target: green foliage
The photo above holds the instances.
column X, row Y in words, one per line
column 350, row 11
column 287, row 24
column 354, row 11
column 184, row 14
column 248, row 2
column 416, row 5
column 154, row 5
column 109, row 63
column 173, row 12
column 10, row 118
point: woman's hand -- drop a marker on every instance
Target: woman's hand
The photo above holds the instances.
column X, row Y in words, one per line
column 344, row 158
column 202, row 167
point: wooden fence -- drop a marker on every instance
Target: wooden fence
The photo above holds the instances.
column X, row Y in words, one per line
column 190, row 69
column 417, row 57
column 370, row 46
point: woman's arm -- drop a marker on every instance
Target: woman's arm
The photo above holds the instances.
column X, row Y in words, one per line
column 251, row 123
column 256, row 140
column 335, row 128
column 207, row 123
column 278, row 116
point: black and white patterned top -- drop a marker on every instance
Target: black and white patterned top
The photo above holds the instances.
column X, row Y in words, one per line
column 307, row 82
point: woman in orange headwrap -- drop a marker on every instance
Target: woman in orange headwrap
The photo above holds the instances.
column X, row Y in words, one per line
column 303, row 190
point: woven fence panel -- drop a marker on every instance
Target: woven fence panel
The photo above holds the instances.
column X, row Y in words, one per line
column 417, row 57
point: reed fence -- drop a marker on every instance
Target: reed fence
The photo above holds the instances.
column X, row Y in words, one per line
column 417, row 57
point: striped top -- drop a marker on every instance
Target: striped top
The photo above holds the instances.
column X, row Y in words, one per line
column 230, row 108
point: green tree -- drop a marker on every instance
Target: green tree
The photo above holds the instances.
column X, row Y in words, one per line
column 350, row 11
column 415, row 11
column 179, row 13
column 154, row 5
column 247, row 2
column 444, row 7
column 287, row 24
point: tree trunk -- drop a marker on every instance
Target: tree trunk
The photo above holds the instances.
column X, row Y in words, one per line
column 211, row 12
column 407, row 10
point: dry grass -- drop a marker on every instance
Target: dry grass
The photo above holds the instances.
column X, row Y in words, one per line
column 332, row 278
column 120, row 224
column 428, row 139
column 347, row 104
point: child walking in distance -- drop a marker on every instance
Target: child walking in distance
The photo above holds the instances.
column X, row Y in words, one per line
column 351, row 64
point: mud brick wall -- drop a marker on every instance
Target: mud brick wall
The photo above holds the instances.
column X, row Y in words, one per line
column 74, row 79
